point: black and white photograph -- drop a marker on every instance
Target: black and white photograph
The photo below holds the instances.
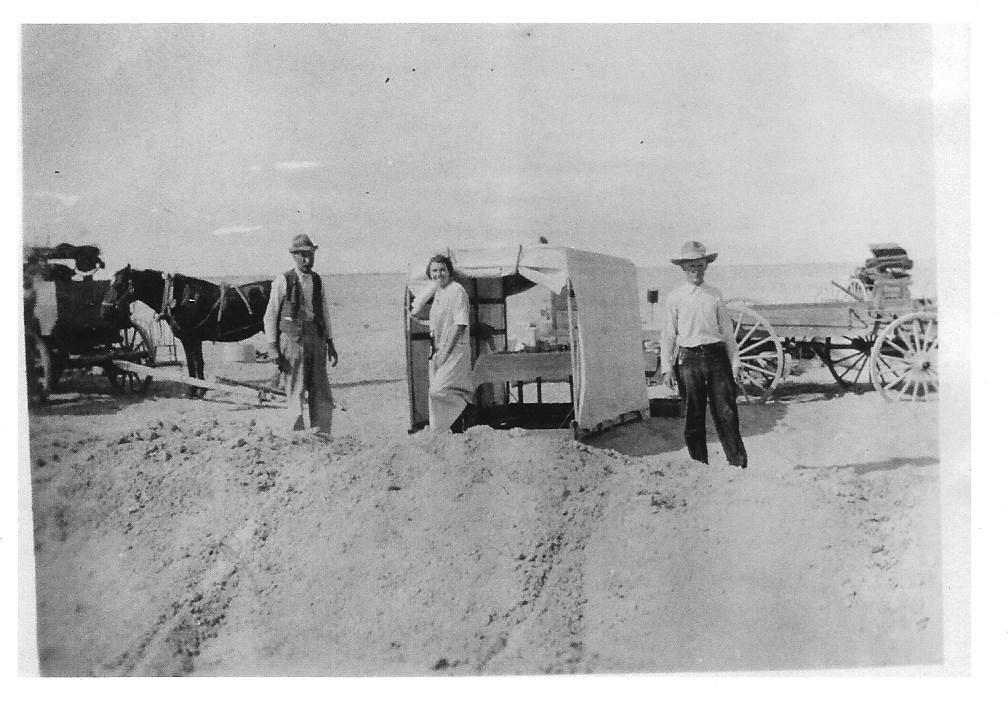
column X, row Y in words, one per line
column 494, row 349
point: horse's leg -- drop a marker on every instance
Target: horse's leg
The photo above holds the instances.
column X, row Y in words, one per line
column 193, row 349
column 199, row 365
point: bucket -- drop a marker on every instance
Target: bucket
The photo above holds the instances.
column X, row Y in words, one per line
column 665, row 407
column 238, row 352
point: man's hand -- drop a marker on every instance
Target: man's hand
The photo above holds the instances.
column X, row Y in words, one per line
column 281, row 362
column 668, row 378
column 331, row 353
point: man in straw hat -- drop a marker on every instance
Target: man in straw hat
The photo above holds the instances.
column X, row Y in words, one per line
column 299, row 332
column 698, row 347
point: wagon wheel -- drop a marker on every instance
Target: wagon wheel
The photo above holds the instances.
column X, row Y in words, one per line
column 904, row 360
column 849, row 363
column 133, row 339
column 41, row 378
column 760, row 353
column 857, row 288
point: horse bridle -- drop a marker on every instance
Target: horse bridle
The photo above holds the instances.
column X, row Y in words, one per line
column 126, row 297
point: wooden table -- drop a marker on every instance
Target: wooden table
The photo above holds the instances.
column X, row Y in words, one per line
column 520, row 368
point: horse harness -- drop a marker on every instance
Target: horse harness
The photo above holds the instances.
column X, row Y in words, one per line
column 168, row 302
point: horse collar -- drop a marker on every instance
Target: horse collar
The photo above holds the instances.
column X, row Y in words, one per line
column 167, row 297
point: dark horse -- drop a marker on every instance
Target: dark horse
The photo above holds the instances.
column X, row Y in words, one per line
column 196, row 310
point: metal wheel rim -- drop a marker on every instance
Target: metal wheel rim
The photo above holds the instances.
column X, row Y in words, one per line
column 760, row 352
column 40, row 369
column 133, row 337
column 904, row 360
column 858, row 289
column 848, row 364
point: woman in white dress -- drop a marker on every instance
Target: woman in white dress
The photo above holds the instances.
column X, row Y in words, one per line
column 451, row 375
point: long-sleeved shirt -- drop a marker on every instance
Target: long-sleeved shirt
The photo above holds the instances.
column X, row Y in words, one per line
column 279, row 291
column 696, row 315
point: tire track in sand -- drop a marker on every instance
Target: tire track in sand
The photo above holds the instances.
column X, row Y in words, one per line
column 172, row 645
column 547, row 624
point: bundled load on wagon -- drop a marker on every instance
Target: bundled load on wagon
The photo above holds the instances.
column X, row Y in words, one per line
column 888, row 260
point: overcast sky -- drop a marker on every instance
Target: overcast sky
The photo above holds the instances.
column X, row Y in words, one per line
column 205, row 149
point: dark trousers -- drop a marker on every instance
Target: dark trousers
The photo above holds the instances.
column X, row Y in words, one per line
column 704, row 373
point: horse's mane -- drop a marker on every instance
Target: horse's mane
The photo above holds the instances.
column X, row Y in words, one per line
column 177, row 278
column 182, row 279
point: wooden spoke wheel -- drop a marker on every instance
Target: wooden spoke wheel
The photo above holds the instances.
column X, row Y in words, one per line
column 39, row 367
column 135, row 345
column 848, row 362
column 760, row 352
column 904, row 359
column 858, row 289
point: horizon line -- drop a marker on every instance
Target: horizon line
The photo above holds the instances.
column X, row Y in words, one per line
column 640, row 267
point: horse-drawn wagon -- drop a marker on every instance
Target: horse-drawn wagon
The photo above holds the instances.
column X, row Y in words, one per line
column 877, row 331
column 65, row 328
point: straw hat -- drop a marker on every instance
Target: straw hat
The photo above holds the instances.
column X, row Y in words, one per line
column 301, row 243
column 693, row 250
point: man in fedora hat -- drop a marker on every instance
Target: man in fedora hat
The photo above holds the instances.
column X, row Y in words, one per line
column 698, row 348
column 299, row 333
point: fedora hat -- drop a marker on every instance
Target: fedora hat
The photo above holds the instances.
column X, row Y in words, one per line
column 693, row 250
column 301, row 243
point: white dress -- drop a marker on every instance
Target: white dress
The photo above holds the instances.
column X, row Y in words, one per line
column 451, row 384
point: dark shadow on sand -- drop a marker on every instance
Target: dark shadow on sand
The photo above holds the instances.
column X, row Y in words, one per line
column 95, row 398
column 661, row 435
column 655, row 436
column 877, row 466
column 813, row 391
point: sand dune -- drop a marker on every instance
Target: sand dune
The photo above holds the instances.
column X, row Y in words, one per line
column 178, row 537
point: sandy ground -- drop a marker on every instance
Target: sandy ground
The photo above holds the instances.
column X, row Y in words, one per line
column 188, row 537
